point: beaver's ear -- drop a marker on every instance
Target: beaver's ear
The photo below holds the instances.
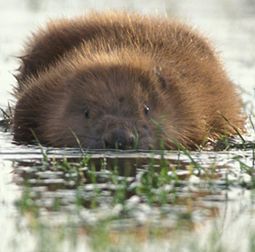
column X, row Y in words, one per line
column 158, row 72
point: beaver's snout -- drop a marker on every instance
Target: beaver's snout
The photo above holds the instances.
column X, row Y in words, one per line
column 118, row 139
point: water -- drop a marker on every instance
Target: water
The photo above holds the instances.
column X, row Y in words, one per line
column 207, row 212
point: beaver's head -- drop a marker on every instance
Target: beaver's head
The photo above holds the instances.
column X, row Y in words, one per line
column 102, row 105
column 111, row 106
column 114, row 106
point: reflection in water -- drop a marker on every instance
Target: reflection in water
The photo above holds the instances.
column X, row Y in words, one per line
column 97, row 184
column 136, row 198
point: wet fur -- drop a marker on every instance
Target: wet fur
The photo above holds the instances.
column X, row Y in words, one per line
column 116, row 63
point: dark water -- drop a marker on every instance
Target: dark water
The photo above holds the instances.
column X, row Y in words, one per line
column 201, row 207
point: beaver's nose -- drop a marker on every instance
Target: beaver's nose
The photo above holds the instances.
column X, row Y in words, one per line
column 119, row 139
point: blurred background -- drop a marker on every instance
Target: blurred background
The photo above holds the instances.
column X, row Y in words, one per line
column 230, row 24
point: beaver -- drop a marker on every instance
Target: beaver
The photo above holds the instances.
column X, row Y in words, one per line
column 121, row 80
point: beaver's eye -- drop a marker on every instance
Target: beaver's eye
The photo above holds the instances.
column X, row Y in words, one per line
column 86, row 113
column 146, row 109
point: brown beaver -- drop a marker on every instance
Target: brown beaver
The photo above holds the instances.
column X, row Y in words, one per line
column 122, row 80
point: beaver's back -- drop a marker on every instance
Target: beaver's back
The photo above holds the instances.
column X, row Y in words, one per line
column 161, row 37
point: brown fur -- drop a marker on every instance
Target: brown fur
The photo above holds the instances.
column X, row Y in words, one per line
column 94, row 78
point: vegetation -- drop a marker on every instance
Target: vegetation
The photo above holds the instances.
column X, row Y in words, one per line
column 119, row 205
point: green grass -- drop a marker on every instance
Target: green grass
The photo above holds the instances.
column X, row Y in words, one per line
column 156, row 186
